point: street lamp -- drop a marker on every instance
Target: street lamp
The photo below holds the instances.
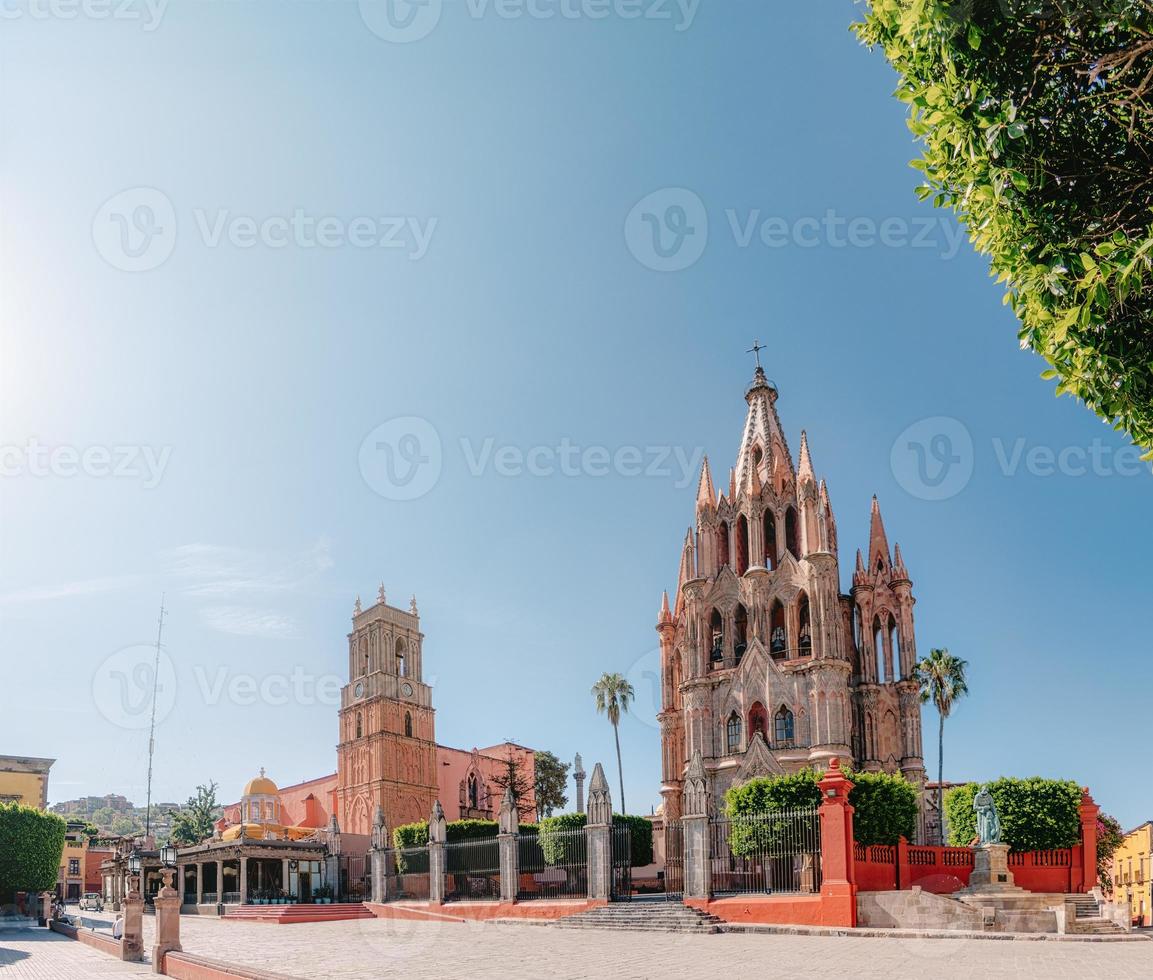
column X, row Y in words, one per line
column 168, row 855
column 134, row 863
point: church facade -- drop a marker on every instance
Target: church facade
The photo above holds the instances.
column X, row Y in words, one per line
column 767, row 666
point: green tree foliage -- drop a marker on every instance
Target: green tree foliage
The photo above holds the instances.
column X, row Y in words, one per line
column 194, row 822
column 1036, row 814
column 885, row 807
column 560, row 846
column 1036, row 119
column 613, row 696
column 941, row 677
column 551, row 783
column 1109, row 837
column 31, row 845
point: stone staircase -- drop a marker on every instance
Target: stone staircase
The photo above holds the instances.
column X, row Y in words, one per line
column 1089, row 919
column 288, row 914
column 643, row 916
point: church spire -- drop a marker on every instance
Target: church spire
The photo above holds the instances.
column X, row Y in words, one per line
column 878, row 542
column 706, row 492
column 763, row 443
column 805, row 466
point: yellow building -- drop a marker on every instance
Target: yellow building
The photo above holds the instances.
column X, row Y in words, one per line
column 24, row 780
column 1133, row 873
column 70, row 881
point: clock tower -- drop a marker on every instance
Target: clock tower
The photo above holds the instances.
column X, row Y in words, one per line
column 387, row 751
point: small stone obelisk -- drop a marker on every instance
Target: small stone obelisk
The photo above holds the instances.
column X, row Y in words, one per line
column 579, row 776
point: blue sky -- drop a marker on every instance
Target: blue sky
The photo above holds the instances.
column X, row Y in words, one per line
column 239, row 239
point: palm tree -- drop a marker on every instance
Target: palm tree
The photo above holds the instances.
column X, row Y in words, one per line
column 613, row 694
column 942, row 680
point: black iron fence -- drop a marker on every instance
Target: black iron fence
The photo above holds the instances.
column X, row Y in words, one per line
column 355, row 883
column 553, row 865
column 778, row 851
column 472, row 871
column 622, row 863
column 674, row 873
column 408, row 878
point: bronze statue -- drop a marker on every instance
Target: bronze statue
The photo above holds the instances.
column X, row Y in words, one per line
column 988, row 823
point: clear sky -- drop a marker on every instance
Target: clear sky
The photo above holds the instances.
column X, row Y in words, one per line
column 196, row 369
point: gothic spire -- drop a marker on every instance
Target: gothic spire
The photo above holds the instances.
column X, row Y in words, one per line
column 763, row 442
column 805, row 466
column 878, row 542
column 706, row 493
column 666, row 615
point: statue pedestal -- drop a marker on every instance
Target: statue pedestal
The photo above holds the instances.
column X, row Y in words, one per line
column 991, row 868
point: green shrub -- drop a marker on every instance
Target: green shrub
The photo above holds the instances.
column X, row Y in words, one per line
column 561, row 848
column 31, row 844
column 885, row 807
column 1036, row 814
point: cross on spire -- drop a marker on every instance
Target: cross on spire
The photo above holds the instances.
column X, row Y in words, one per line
column 756, row 350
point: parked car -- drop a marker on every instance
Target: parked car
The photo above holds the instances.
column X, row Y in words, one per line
column 92, row 902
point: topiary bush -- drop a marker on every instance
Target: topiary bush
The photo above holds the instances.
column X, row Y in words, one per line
column 31, row 844
column 1036, row 814
column 886, row 807
column 560, row 847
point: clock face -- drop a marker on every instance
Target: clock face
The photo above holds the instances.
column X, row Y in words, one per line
column 359, row 690
column 406, row 690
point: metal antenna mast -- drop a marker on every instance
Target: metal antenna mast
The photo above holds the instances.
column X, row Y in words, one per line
column 152, row 725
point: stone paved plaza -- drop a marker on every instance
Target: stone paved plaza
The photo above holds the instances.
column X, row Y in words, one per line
column 437, row 951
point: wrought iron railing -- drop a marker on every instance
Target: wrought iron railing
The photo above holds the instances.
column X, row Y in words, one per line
column 472, row 871
column 622, row 863
column 553, row 865
column 231, row 898
column 408, row 878
column 674, row 875
column 778, row 851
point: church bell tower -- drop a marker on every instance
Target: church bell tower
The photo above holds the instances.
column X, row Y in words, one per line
column 387, row 751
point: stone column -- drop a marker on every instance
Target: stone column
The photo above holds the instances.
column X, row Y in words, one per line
column 380, row 856
column 437, row 837
column 167, row 903
column 284, row 876
column 1088, row 811
column 132, row 945
column 579, row 776
column 46, row 900
column 180, row 884
column 220, row 880
column 695, row 821
column 243, row 872
column 838, row 872
column 116, row 876
column 598, row 837
column 199, row 883
column 332, row 860
column 507, row 843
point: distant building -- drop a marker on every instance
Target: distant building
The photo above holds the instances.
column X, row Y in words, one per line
column 70, row 882
column 88, row 805
column 1133, row 874
column 24, row 780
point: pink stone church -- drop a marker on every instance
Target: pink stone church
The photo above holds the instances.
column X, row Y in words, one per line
column 767, row 665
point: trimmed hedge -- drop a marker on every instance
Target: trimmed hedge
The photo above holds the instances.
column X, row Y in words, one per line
column 1036, row 814
column 886, row 806
column 561, row 849
column 31, row 844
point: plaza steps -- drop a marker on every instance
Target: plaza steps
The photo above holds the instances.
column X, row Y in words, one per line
column 289, row 914
column 643, row 916
column 1089, row 921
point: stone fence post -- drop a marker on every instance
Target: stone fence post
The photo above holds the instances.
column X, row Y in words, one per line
column 598, row 837
column 331, row 863
column 380, row 857
column 132, row 905
column 904, row 876
column 695, row 821
column 1088, row 811
column 167, row 921
column 437, row 838
column 509, row 851
column 838, row 872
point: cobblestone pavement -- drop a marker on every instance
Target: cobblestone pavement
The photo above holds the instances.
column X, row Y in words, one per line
column 37, row 954
column 359, row 950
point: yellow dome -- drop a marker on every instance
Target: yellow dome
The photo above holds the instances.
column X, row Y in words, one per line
column 261, row 786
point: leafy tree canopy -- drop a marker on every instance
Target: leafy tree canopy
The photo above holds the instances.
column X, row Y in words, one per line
column 1036, row 118
column 1036, row 814
column 551, row 783
column 31, row 844
column 194, row 822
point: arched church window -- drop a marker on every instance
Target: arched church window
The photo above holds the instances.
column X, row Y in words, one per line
column 742, row 543
column 401, row 663
column 769, row 526
column 722, row 545
column 791, row 539
column 740, row 632
column 879, row 650
column 733, row 734
column 359, row 725
column 895, row 648
column 783, row 727
column 408, row 724
column 778, row 641
column 473, row 794
column 804, row 626
column 716, row 637
column 758, row 721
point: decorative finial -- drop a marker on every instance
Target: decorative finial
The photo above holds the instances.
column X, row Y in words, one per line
column 412, row 606
column 356, row 608
column 262, row 772
column 380, row 594
column 756, row 351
